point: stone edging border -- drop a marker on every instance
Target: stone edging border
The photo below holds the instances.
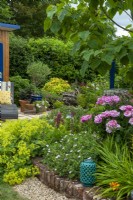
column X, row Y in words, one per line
column 69, row 188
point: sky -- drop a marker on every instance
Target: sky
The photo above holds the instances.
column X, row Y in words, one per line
column 123, row 20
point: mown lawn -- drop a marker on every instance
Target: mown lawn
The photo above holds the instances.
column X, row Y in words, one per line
column 7, row 193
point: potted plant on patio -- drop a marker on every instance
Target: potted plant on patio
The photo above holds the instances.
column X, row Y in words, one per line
column 38, row 72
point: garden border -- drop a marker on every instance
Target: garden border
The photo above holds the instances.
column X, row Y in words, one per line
column 67, row 187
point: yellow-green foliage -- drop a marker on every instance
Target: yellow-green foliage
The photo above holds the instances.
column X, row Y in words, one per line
column 21, row 140
column 56, row 86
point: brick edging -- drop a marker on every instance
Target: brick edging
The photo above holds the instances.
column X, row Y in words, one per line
column 67, row 187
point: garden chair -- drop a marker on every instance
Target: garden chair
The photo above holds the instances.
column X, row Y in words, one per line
column 8, row 110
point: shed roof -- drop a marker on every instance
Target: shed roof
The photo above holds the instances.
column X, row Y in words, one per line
column 8, row 27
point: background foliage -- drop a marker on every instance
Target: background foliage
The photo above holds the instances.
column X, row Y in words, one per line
column 51, row 51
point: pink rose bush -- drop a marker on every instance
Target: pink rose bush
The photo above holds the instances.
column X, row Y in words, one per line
column 118, row 119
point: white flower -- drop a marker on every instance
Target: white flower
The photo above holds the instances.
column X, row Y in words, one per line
column 67, row 154
column 43, row 103
column 78, row 150
column 58, row 156
column 65, row 159
column 71, row 151
column 75, row 138
column 79, row 156
column 47, row 145
column 68, row 117
column 74, row 145
column 70, row 172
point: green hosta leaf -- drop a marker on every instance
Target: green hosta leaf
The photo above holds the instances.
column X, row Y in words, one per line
column 108, row 57
column 87, row 54
column 84, row 35
column 84, row 67
column 51, row 10
column 47, row 24
column 55, row 27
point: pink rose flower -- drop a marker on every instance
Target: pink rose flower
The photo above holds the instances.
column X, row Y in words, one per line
column 112, row 125
column 126, row 107
column 131, row 121
column 116, row 99
column 85, row 118
column 128, row 113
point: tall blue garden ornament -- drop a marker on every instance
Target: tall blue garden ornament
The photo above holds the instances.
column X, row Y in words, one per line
column 112, row 75
column 87, row 170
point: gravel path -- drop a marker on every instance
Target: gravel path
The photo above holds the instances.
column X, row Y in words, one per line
column 33, row 189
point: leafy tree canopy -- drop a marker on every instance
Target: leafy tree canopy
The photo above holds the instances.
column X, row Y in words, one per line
column 5, row 13
column 89, row 25
column 30, row 15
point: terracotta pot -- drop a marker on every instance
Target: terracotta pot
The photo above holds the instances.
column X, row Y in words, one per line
column 22, row 104
column 29, row 106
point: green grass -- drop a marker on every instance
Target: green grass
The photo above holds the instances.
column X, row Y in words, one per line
column 7, row 193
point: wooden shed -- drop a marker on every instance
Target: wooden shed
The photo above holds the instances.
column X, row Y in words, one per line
column 4, row 49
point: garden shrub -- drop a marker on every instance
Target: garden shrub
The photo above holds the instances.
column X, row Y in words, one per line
column 56, row 86
column 20, row 56
column 56, row 54
column 51, row 51
column 114, row 173
column 22, row 88
column 38, row 72
column 65, row 156
column 20, row 141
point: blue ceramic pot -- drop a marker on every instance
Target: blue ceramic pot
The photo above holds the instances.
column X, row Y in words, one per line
column 36, row 98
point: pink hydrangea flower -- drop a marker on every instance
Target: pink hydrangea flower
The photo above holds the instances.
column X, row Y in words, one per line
column 131, row 121
column 112, row 125
column 98, row 119
column 85, row 118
